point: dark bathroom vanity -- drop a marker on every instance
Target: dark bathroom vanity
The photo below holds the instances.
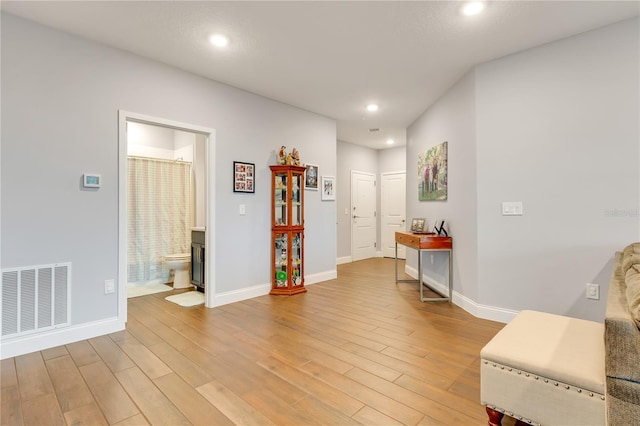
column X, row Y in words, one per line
column 197, row 259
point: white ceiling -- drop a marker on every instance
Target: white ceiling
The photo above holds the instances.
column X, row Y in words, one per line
column 330, row 57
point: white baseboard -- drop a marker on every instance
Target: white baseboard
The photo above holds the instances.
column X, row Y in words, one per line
column 57, row 337
column 487, row 312
column 492, row 313
column 349, row 259
column 264, row 289
column 320, row 277
column 241, row 294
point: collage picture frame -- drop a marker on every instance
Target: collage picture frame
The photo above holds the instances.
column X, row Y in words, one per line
column 244, row 177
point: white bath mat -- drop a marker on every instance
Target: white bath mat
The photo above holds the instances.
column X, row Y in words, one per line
column 142, row 290
column 190, row 298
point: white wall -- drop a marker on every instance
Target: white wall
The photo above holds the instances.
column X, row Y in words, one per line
column 184, row 145
column 558, row 130
column 392, row 159
column 60, row 101
column 145, row 140
column 556, row 127
column 450, row 119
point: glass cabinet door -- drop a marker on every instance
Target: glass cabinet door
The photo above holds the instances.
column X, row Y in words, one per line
column 281, row 259
column 280, row 199
column 296, row 258
column 296, row 199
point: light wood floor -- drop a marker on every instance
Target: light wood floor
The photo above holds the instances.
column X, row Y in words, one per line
column 356, row 350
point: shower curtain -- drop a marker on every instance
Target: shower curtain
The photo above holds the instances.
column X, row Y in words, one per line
column 159, row 217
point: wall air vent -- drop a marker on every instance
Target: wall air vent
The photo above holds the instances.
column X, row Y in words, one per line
column 375, row 129
column 35, row 298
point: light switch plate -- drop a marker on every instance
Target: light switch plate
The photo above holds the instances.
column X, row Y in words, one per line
column 512, row 208
column 242, row 210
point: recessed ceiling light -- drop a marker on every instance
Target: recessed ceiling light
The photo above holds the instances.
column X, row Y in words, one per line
column 219, row 40
column 473, row 8
column 372, row 107
column 390, row 141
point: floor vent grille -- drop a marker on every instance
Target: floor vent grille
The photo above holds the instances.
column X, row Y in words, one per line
column 35, row 298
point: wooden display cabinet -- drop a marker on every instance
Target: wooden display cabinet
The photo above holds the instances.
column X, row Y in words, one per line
column 287, row 230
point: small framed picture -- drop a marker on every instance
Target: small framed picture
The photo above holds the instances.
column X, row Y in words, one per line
column 328, row 185
column 244, row 175
column 417, row 225
column 311, row 177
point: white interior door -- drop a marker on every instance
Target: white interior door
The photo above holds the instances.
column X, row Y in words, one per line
column 363, row 216
column 393, row 194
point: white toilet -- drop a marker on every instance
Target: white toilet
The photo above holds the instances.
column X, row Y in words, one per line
column 181, row 264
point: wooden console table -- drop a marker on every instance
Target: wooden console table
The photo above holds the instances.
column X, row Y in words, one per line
column 422, row 243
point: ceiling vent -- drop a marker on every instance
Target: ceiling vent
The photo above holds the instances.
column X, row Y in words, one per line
column 375, row 129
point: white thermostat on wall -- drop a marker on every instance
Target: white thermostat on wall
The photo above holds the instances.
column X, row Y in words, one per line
column 91, row 181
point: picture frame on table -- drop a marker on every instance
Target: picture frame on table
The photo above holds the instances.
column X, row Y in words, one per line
column 417, row 225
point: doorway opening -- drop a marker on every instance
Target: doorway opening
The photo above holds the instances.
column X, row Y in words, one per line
column 132, row 128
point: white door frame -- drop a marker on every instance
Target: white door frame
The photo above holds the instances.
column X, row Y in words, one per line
column 351, row 210
column 384, row 207
column 210, row 154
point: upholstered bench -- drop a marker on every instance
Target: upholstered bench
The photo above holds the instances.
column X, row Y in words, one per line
column 545, row 369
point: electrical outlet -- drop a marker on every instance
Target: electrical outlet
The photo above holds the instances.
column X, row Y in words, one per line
column 593, row 291
column 109, row 286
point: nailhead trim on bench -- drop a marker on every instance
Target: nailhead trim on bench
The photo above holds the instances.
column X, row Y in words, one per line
column 546, row 380
column 536, row 377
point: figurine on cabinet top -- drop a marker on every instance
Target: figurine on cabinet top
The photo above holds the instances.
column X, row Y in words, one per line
column 295, row 158
column 288, row 159
column 282, row 155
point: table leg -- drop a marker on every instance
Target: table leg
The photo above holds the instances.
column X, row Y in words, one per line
column 396, row 262
column 420, row 274
column 451, row 276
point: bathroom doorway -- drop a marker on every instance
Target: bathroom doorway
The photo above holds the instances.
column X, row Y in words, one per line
column 163, row 172
column 156, row 153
